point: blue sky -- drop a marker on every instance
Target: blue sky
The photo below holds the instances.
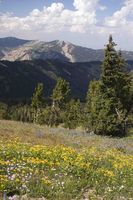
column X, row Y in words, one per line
column 84, row 22
column 23, row 7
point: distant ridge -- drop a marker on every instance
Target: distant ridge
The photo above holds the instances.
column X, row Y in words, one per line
column 18, row 79
column 12, row 42
column 14, row 49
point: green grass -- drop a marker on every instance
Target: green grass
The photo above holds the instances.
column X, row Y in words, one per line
column 36, row 134
column 57, row 163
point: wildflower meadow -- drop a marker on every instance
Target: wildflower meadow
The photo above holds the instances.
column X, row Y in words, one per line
column 60, row 172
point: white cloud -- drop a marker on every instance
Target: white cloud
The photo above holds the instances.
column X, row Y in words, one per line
column 120, row 17
column 85, row 5
column 55, row 17
column 78, row 24
column 121, row 25
column 102, row 8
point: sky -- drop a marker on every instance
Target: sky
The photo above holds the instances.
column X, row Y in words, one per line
column 82, row 22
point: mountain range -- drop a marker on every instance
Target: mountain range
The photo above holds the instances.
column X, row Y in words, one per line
column 25, row 63
column 18, row 79
column 14, row 49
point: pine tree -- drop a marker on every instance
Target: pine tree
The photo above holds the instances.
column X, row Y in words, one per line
column 93, row 106
column 37, row 101
column 60, row 93
column 109, row 99
column 114, row 78
column 72, row 116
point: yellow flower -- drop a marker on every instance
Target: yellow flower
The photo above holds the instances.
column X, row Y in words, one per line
column 106, row 172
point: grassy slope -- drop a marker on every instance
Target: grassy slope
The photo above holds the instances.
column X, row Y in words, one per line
column 101, row 159
column 35, row 134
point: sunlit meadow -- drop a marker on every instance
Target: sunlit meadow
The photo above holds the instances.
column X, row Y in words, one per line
column 64, row 171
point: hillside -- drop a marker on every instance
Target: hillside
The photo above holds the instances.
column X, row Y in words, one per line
column 43, row 135
column 12, row 42
column 18, row 79
column 14, row 49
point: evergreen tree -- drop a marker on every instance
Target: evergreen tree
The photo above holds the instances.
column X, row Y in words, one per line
column 131, row 104
column 72, row 116
column 115, row 81
column 22, row 113
column 3, row 110
column 55, row 116
column 49, row 116
column 60, row 93
column 37, row 101
column 109, row 98
column 93, row 106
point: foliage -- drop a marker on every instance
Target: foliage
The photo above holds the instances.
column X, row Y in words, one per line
column 50, row 116
column 37, row 102
column 37, row 99
column 131, row 92
column 72, row 114
column 3, row 110
column 109, row 99
column 21, row 113
column 64, row 173
column 60, row 93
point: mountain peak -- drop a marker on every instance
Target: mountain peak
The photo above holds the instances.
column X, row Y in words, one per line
column 12, row 49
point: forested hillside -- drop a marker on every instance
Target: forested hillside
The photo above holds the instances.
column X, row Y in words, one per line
column 18, row 79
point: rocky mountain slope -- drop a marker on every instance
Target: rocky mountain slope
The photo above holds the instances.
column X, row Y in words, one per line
column 14, row 49
column 9, row 43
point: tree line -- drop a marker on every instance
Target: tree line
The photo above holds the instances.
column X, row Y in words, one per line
column 107, row 110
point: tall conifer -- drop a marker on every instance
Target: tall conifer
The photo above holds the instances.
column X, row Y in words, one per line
column 37, row 101
column 110, row 103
